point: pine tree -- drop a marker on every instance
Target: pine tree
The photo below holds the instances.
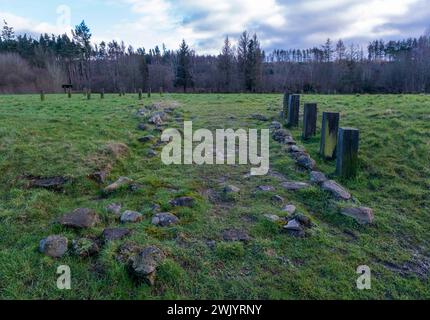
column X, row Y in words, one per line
column 183, row 68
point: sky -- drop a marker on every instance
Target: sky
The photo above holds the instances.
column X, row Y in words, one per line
column 203, row 24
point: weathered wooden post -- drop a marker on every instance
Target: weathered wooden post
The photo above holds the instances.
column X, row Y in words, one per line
column 285, row 109
column 149, row 93
column 89, row 95
column 161, row 91
column 140, row 94
column 310, row 120
column 102, row 94
column 293, row 110
column 329, row 135
column 69, row 93
column 347, row 152
column 42, row 95
column 84, row 92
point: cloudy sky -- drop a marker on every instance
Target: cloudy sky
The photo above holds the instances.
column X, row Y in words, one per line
column 204, row 23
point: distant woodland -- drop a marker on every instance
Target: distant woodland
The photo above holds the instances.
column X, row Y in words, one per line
column 30, row 65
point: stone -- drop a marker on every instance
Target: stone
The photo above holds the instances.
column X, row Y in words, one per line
column 236, row 235
column 293, row 225
column 183, row 202
column 295, row 185
column 156, row 120
column 142, row 127
column 113, row 234
column 80, row 219
column 164, row 219
column 121, row 182
column 277, row 198
column 49, row 183
column 275, row 125
column 231, row 189
column 85, row 247
column 146, row 139
column 265, row 188
column 134, row 187
column 329, row 134
column 141, row 112
column 114, row 208
column 295, row 148
column 131, row 217
column 306, row 162
column 126, row 251
column 290, row 209
column 152, row 153
column 317, row 177
column 290, row 141
column 336, row 190
column 281, row 135
column 272, row 217
column 259, row 117
column 54, row 246
column 362, row 215
column 155, row 208
column 143, row 266
column 303, row 220
column 100, row 176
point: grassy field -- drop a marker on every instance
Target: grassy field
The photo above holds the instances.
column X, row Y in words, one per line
column 64, row 137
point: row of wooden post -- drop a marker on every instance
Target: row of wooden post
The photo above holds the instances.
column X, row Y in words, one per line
column 87, row 94
column 337, row 143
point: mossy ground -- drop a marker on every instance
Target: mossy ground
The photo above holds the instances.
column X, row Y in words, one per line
column 61, row 136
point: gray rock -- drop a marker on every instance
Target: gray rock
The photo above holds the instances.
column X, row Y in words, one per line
column 231, row 189
column 183, row 202
column 275, row 125
column 294, row 228
column 164, row 219
column 54, row 246
column 336, row 190
column 142, row 127
column 113, row 234
column 266, row 188
column 121, row 182
column 303, row 220
column 290, row 209
column 317, row 177
column 141, row 112
column 235, row 235
column 152, row 153
column 85, row 247
column 278, row 199
column 155, row 208
column 114, row 208
column 143, row 266
column 295, row 148
column 259, row 117
column 51, row 183
column 272, row 217
column 362, row 215
column 80, row 218
column 306, row 162
column 146, row 139
column 156, row 120
column 295, row 185
column 281, row 135
column 131, row 217
column 290, row 141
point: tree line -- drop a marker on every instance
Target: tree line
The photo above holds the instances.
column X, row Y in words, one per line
column 30, row 65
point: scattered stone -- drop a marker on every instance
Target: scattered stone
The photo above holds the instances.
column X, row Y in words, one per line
column 113, row 234
column 231, row 189
column 54, row 246
column 281, row 135
column 141, row 112
column 80, row 218
column 272, row 217
column 142, row 127
column 156, row 120
column 306, row 162
column 362, row 215
column 114, row 208
column 164, row 219
column 266, row 188
column 336, row 190
column 295, row 185
column 278, row 199
column 126, row 251
column 135, row 187
column 155, row 208
column 297, row 155
column 275, row 125
column 146, row 139
column 290, row 209
column 183, row 202
column 211, row 244
column 143, row 266
column 152, row 153
column 131, row 217
column 259, row 117
column 236, row 235
column 100, row 176
column 53, row 183
column 318, row 177
column 121, row 182
column 295, row 148
column 294, row 228
column 85, row 247
column 289, row 140
column 304, row 220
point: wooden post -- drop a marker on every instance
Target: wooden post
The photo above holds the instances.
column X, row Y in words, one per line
column 42, row 95
column 84, row 92
column 347, row 152
column 293, row 110
column 149, row 93
column 89, row 95
column 286, row 101
column 310, row 120
column 69, row 92
column 161, row 91
column 140, row 94
column 329, row 135
column 102, row 94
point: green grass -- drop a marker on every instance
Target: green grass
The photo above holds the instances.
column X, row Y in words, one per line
column 63, row 136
